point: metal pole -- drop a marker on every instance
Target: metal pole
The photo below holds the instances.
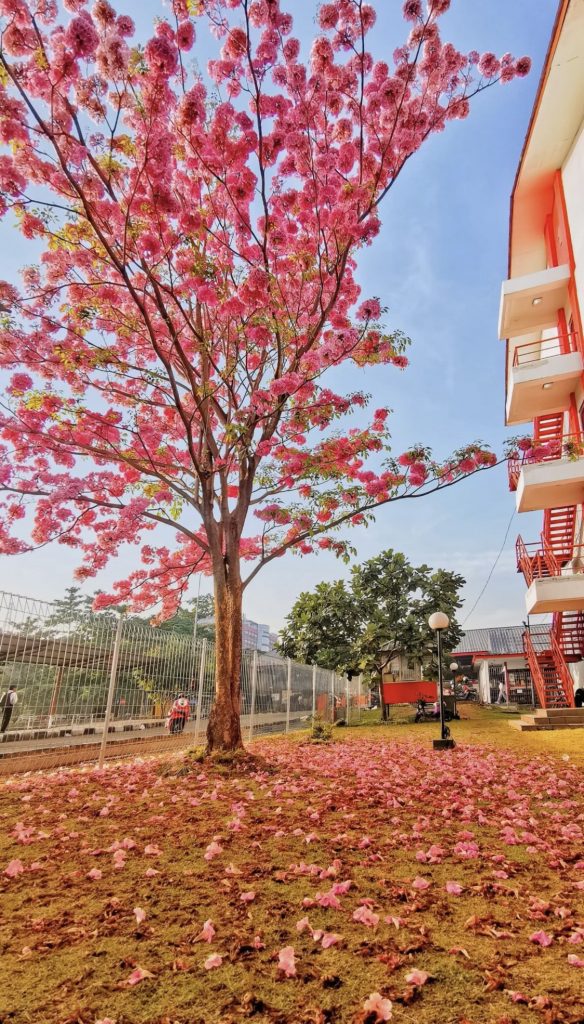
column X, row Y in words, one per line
column 313, row 690
column 254, row 676
column 288, row 694
column 196, row 623
column 200, row 690
column 441, row 686
column 111, row 688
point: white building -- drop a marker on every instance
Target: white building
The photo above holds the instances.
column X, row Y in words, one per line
column 541, row 321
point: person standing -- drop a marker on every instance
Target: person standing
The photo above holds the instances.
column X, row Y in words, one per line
column 8, row 700
column 502, row 699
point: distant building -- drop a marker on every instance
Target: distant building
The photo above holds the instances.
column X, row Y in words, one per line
column 498, row 655
column 274, row 639
column 256, row 636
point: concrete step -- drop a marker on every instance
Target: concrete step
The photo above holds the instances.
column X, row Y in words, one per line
column 576, row 713
column 524, row 727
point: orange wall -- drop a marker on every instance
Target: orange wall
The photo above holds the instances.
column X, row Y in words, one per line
column 408, row 693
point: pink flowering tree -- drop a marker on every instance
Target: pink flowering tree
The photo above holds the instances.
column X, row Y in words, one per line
column 167, row 352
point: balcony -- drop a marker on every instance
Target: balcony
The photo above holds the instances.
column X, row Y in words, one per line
column 549, row 475
column 543, row 376
column 550, row 588
column 531, row 303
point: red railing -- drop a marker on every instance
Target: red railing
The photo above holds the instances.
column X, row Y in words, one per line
column 545, row 348
column 538, row 560
column 563, row 672
column 570, row 447
column 534, row 668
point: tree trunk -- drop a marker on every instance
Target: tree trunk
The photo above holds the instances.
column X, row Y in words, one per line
column 224, row 728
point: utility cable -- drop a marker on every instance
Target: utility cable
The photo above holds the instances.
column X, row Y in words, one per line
column 493, row 567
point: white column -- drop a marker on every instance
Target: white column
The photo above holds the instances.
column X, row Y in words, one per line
column 111, row 689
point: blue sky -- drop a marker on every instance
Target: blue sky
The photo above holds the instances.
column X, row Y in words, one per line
column 438, row 264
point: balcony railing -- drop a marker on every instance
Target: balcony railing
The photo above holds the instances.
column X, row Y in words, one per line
column 538, row 561
column 545, row 348
column 570, row 447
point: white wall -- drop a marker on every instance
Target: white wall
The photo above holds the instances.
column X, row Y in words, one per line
column 573, row 177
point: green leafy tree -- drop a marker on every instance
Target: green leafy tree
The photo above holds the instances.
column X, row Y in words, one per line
column 380, row 613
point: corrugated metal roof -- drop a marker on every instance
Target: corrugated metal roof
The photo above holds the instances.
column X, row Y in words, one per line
column 502, row 640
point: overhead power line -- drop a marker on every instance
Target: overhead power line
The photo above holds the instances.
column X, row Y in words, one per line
column 493, row 567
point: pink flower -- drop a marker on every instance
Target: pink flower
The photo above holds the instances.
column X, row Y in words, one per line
column 574, row 960
column 247, row 897
column 139, row 914
column 454, row 888
column 138, row 975
column 161, row 55
column 152, row 851
column 185, row 35
column 366, row 916
column 381, row 1007
column 420, row 883
column 417, row 977
column 287, row 962
column 523, row 66
column 303, row 924
column 213, row 961
column 330, row 939
column 207, row 933
column 541, row 938
column 15, row 867
column 94, row 875
column 213, row 850
column 82, row 37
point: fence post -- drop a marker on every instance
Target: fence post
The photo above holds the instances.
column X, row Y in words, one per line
column 254, row 678
column 333, row 716
column 111, row 688
column 288, row 688
column 313, row 690
column 348, row 716
column 200, row 690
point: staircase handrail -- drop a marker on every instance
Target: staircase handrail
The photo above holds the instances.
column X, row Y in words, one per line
column 514, row 465
column 534, row 668
column 524, row 561
column 553, row 566
column 564, row 678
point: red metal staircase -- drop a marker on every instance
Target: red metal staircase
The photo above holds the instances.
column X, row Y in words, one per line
column 549, row 428
column 550, row 674
column 568, row 628
column 558, row 529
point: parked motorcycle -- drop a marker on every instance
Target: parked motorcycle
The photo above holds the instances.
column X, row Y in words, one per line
column 431, row 713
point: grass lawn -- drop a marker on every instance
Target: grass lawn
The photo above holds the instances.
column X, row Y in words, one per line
column 313, row 885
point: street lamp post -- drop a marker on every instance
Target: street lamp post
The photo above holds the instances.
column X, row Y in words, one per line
column 454, row 670
column 438, row 621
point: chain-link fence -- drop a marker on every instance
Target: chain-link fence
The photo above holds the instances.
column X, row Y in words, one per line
column 83, row 687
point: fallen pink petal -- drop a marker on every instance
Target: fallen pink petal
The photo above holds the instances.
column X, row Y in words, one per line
column 380, row 1007
column 212, row 962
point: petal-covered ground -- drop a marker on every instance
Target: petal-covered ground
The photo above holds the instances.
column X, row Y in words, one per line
column 353, row 882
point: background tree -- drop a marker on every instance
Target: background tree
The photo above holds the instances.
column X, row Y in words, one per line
column 381, row 612
column 198, row 240
column 321, row 629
